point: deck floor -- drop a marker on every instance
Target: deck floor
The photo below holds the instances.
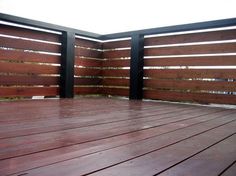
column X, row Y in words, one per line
column 113, row 137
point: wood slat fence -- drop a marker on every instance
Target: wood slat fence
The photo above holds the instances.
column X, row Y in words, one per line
column 190, row 64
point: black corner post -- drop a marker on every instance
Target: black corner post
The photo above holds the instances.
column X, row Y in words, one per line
column 136, row 67
column 67, row 65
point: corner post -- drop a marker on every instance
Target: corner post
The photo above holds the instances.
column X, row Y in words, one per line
column 136, row 67
column 67, row 65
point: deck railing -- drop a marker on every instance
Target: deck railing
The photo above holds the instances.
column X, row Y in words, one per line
column 193, row 62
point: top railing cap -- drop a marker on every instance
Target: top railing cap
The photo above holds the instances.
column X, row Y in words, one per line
column 47, row 26
column 160, row 30
column 177, row 28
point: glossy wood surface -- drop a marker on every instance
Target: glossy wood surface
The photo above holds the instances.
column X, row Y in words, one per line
column 102, row 136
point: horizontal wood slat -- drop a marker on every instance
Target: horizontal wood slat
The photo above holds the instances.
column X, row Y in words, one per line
column 192, row 85
column 116, row 54
column 28, row 91
column 86, row 90
column 194, row 37
column 115, row 82
column 117, row 44
column 6, row 67
column 29, row 45
column 87, row 72
column 192, row 49
column 116, row 72
column 190, row 73
column 115, row 91
column 88, row 43
column 88, row 62
column 28, row 33
column 116, row 63
column 88, row 53
column 192, row 97
column 87, row 81
column 28, row 80
column 17, row 55
column 192, row 61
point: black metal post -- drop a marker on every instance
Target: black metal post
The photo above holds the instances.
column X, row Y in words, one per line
column 67, row 65
column 136, row 67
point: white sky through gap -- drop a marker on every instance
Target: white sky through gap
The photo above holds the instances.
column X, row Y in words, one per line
column 110, row 16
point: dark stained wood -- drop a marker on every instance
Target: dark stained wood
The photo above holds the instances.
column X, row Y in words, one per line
column 194, row 37
column 115, row 91
column 88, row 43
column 86, row 90
column 115, row 72
column 34, row 126
column 116, row 63
column 158, row 160
column 88, row 53
column 230, row 171
column 116, row 54
column 28, row 33
column 28, row 91
column 29, row 80
column 117, row 44
column 190, row 85
column 29, row 45
column 152, row 126
column 17, row 55
column 88, row 62
column 117, row 107
column 7, row 67
column 224, row 152
column 87, row 71
column 53, row 156
column 139, row 132
column 192, row 61
column 191, row 49
column 115, row 82
column 82, row 134
column 87, row 81
column 191, row 73
column 190, row 97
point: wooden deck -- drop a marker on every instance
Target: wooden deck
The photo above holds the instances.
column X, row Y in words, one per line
column 107, row 137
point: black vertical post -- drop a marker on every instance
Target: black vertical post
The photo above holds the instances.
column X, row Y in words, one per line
column 136, row 67
column 67, row 65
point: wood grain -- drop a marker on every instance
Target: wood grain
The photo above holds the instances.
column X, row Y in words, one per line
column 28, row 33
column 117, row 44
column 87, row 81
column 88, row 62
column 191, row 73
column 88, row 53
column 29, row 45
column 192, row 61
column 191, row 49
column 115, row 82
column 21, row 56
column 194, row 37
column 88, row 43
column 190, row 97
column 115, row 91
column 115, row 72
column 116, row 63
column 193, row 85
column 116, row 54
column 7, row 67
column 28, row 80
column 28, row 91
column 87, row 72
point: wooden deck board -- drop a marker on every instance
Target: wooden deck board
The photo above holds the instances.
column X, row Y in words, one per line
column 230, row 171
column 112, row 137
